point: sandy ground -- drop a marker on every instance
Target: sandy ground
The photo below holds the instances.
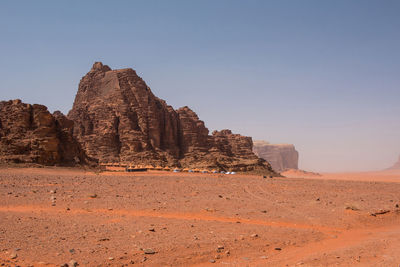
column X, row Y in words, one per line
column 50, row 216
column 392, row 176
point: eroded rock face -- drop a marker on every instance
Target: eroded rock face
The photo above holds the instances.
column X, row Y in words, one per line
column 280, row 156
column 118, row 119
column 30, row 134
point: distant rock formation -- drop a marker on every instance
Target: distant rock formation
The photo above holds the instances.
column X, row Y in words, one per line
column 280, row 156
column 30, row 134
column 396, row 166
column 118, row 119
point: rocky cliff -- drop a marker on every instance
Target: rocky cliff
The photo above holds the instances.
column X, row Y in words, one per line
column 30, row 134
column 396, row 166
column 280, row 156
column 118, row 119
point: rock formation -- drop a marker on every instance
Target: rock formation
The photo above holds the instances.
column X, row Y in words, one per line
column 118, row 119
column 280, row 156
column 396, row 166
column 30, row 134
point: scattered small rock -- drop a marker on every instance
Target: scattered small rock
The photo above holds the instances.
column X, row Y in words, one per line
column 13, row 255
column 254, row 235
column 278, row 249
column 264, row 211
column 152, row 230
column 149, row 251
column 72, row 250
column 264, row 257
column 110, row 258
column 93, row 195
column 317, row 199
column 72, row 263
column 212, row 261
column 380, row 212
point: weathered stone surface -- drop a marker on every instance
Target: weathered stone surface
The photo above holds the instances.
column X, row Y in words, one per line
column 118, row 119
column 30, row 134
column 396, row 166
column 280, row 156
column 193, row 133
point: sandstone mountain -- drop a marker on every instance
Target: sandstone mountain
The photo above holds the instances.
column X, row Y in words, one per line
column 396, row 166
column 280, row 156
column 30, row 134
column 118, row 119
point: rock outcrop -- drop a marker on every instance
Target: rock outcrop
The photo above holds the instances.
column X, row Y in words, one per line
column 118, row 119
column 30, row 134
column 280, row 156
column 396, row 166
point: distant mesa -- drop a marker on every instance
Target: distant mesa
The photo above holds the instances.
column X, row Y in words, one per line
column 396, row 166
column 116, row 118
column 280, row 156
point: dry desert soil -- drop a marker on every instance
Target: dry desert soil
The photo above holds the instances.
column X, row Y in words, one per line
column 50, row 216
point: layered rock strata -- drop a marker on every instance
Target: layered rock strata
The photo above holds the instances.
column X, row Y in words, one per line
column 280, row 156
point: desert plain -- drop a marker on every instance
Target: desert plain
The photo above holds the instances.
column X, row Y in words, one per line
column 56, row 216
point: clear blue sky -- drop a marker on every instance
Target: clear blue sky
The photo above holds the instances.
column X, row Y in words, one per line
column 323, row 75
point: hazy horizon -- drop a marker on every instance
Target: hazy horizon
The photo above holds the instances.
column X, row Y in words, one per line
column 323, row 76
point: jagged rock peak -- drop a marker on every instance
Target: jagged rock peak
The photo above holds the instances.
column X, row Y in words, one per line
column 98, row 66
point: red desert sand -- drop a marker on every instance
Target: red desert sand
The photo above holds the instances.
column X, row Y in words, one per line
column 55, row 216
